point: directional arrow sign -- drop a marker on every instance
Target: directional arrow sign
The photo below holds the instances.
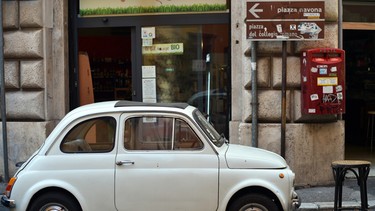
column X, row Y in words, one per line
column 285, row 20
column 253, row 10
column 283, row 9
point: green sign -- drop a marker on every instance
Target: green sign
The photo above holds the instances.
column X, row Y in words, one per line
column 170, row 48
column 124, row 7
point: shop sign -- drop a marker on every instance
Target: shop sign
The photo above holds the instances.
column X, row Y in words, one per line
column 285, row 20
column 170, row 48
column 123, row 7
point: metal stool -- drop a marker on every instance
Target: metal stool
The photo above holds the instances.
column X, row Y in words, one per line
column 340, row 169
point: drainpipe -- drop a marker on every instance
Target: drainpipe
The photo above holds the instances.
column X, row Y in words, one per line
column 340, row 33
column 340, row 44
column 3, row 104
column 283, row 99
column 254, row 95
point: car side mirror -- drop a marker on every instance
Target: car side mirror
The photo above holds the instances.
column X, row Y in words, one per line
column 19, row 164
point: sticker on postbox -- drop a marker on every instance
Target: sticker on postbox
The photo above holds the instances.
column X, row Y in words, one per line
column 312, row 110
column 327, row 81
column 339, row 88
column 327, row 89
column 340, row 96
column 314, row 97
column 323, row 71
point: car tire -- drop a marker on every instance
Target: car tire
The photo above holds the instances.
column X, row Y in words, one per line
column 55, row 201
column 252, row 202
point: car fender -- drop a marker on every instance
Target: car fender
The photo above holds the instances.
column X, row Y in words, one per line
column 27, row 195
column 252, row 182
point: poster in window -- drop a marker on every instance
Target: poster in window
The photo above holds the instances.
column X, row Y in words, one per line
column 149, row 88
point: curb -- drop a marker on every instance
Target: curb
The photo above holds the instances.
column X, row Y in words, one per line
column 329, row 205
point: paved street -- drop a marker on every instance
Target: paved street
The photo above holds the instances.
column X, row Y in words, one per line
column 322, row 198
column 2, row 188
column 326, row 194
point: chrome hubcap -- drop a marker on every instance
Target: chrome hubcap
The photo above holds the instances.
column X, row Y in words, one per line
column 53, row 207
column 253, row 207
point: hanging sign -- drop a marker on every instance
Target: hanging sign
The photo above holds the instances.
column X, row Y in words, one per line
column 285, row 20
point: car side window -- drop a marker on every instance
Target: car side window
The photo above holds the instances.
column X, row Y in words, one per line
column 159, row 133
column 185, row 138
column 94, row 135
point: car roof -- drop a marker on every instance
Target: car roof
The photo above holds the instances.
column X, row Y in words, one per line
column 122, row 105
column 125, row 103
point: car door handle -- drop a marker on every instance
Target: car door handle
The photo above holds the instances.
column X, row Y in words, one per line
column 125, row 163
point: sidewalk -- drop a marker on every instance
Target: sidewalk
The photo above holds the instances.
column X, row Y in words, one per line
column 322, row 198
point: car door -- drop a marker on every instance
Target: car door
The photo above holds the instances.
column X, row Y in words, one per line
column 164, row 164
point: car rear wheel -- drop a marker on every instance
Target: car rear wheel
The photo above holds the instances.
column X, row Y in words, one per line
column 253, row 202
column 55, row 202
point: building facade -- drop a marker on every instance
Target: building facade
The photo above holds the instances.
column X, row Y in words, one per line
column 311, row 142
column 42, row 44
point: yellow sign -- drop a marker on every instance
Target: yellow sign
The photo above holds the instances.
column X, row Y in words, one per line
column 327, row 81
column 170, row 48
column 123, row 7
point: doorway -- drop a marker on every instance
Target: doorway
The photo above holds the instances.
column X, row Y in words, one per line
column 109, row 55
column 359, row 46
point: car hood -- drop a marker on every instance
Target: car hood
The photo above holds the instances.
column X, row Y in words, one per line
column 242, row 157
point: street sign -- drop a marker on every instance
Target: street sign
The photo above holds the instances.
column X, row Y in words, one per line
column 285, row 20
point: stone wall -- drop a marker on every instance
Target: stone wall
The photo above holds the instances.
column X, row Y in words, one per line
column 35, row 69
column 312, row 142
column 36, row 73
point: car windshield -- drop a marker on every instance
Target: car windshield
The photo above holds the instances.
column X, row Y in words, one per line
column 207, row 127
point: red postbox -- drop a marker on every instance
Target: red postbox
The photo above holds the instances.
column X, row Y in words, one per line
column 323, row 81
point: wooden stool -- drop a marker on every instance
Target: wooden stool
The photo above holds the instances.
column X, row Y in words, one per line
column 340, row 169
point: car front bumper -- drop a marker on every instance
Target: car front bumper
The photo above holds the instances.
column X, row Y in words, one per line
column 296, row 201
column 7, row 202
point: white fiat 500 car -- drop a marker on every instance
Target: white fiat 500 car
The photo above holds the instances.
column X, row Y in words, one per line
column 142, row 156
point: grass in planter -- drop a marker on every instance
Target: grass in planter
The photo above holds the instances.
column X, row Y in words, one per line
column 160, row 9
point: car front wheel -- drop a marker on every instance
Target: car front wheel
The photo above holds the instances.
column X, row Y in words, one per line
column 253, row 202
column 54, row 202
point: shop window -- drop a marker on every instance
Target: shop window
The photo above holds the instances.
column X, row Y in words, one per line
column 188, row 64
column 356, row 11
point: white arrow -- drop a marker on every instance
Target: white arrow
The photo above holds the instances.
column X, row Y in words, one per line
column 253, row 10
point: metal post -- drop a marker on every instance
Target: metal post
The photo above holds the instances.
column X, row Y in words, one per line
column 340, row 44
column 283, row 101
column 254, row 95
column 3, row 103
column 340, row 33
